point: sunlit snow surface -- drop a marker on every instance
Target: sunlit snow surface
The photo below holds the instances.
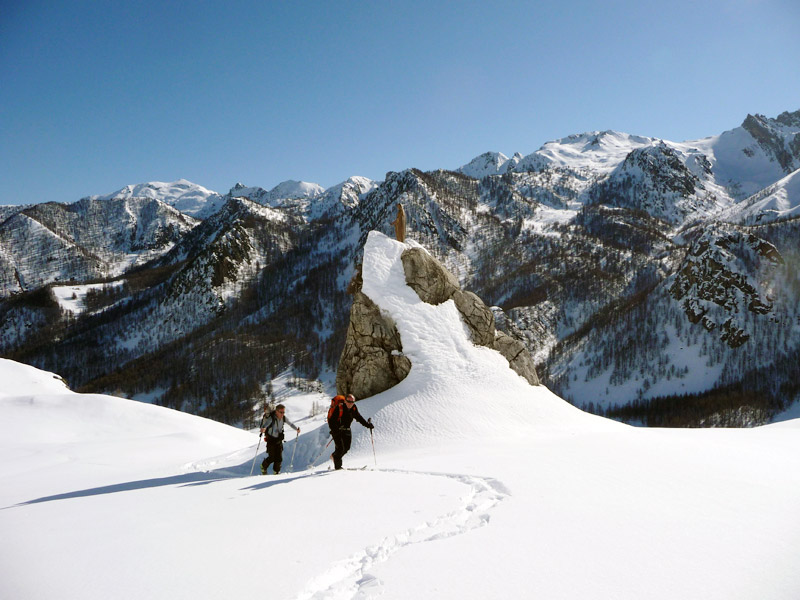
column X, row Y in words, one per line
column 72, row 298
column 479, row 486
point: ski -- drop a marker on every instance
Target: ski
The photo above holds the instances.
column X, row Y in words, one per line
column 349, row 468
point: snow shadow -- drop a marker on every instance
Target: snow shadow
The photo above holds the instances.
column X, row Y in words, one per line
column 272, row 481
column 184, row 480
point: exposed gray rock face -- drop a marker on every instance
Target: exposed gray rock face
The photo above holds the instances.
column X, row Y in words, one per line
column 425, row 275
column 434, row 284
column 517, row 356
column 372, row 359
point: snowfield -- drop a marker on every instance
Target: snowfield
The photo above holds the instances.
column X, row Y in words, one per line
column 477, row 486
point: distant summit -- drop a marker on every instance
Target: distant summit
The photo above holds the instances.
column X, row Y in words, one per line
column 288, row 190
column 189, row 198
column 779, row 138
column 490, row 163
column 714, row 172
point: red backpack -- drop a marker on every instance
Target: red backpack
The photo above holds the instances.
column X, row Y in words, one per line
column 337, row 402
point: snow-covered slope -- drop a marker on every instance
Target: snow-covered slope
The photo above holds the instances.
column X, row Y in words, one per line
column 50, row 435
column 745, row 159
column 778, row 201
column 295, row 189
column 341, row 198
column 599, row 151
column 187, row 197
column 72, row 298
column 669, row 181
column 303, row 199
column 23, row 380
column 771, row 149
column 279, row 195
column 477, row 486
column 221, row 255
column 490, row 163
column 725, row 168
column 663, row 182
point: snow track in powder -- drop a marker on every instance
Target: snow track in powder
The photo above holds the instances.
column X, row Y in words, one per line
column 349, row 578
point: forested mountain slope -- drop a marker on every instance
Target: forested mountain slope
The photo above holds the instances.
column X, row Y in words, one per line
column 637, row 270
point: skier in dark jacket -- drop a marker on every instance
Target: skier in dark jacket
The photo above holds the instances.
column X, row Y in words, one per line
column 273, row 435
column 340, row 422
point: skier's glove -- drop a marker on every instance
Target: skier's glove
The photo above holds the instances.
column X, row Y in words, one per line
column 370, row 426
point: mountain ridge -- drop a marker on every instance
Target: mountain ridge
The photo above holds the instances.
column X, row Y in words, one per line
column 568, row 252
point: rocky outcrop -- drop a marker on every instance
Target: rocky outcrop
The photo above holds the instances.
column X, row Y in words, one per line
column 773, row 137
column 434, row 284
column 372, row 360
column 715, row 282
column 517, row 355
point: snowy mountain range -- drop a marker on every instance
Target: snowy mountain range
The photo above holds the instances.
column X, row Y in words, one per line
column 187, row 197
column 90, row 239
column 638, row 271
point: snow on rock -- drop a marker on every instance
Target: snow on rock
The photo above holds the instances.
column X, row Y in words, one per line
column 476, row 392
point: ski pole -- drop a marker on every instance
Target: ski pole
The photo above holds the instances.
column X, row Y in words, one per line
column 291, row 464
column 373, row 442
column 259, row 443
column 321, row 451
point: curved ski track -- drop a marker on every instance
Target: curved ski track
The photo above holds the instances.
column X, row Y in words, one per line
column 348, row 579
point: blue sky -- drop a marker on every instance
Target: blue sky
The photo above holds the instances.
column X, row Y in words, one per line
column 98, row 95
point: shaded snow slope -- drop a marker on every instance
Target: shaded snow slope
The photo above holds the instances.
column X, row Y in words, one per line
column 778, row 201
column 738, row 161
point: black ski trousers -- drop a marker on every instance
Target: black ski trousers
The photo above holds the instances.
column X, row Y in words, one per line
column 342, row 438
column 274, row 454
